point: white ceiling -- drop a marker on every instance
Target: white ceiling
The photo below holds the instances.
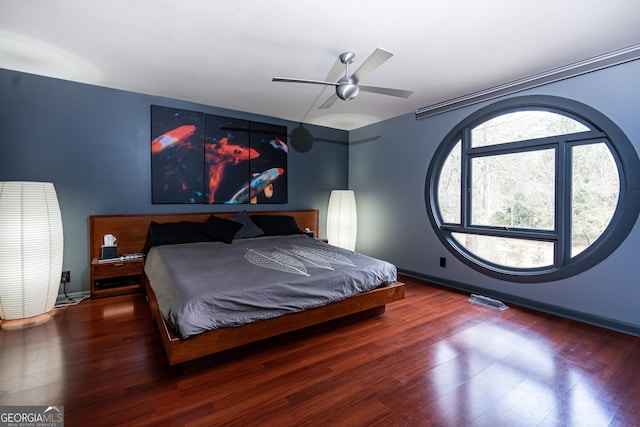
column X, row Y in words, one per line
column 224, row 53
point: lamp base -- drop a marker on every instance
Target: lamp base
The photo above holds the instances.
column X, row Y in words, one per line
column 29, row 322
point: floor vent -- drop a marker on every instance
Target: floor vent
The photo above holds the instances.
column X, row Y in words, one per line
column 487, row 302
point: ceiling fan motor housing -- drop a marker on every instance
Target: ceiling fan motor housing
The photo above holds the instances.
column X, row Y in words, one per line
column 347, row 89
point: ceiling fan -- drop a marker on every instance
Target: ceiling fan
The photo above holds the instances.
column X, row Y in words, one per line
column 348, row 86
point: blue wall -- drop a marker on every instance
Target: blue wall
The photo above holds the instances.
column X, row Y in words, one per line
column 93, row 144
column 388, row 176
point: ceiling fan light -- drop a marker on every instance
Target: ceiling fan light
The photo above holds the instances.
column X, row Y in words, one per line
column 347, row 91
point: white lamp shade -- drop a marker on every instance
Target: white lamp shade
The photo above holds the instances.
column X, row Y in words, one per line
column 342, row 219
column 31, row 249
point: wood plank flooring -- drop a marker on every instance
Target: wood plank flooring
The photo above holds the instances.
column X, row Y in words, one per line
column 432, row 359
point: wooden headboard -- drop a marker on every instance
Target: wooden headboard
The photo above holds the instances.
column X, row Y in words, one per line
column 131, row 230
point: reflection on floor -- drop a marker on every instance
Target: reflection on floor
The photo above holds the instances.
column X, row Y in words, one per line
column 432, row 359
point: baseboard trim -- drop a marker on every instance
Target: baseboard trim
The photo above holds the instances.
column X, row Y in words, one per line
column 579, row 316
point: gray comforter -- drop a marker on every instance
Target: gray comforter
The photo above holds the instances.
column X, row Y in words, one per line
column 204, row 286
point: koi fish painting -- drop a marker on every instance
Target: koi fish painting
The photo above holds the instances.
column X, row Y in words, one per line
column 221, row 155
column 174, row 136
column 177, row 146
column 204, row 158
column 259, row 183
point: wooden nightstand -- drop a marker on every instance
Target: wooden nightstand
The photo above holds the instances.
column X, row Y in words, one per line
column 116, row 278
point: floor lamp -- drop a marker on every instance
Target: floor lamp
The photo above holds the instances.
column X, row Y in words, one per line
column 31, row 250
column 342, row 219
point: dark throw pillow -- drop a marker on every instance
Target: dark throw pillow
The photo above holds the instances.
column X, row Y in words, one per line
column 219, row 229
column 276, row 225
column 173, row 233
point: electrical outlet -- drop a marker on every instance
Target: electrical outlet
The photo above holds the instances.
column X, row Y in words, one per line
column 443, row 262
column 66, row 277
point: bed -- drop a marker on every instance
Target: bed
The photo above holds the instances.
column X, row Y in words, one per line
column 299, row 262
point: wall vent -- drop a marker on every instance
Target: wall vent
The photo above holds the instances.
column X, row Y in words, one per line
column 487, row 302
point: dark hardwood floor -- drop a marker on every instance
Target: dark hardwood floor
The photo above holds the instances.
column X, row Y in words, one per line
column 432, row 359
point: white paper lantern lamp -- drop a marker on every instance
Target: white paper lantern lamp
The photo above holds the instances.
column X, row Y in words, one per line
column 31, row 249
column 342, row 219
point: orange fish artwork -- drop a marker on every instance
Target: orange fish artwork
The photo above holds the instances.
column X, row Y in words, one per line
column 222, row 154
column 172, row 137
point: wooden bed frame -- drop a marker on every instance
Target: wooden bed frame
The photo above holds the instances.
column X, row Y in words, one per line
column 131, row 232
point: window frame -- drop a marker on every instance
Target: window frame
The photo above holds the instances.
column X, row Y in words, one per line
column 602, row 130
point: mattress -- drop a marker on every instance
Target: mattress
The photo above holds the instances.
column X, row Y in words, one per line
column 209, row 285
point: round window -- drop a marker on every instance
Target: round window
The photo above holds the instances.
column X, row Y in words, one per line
column 533, row 188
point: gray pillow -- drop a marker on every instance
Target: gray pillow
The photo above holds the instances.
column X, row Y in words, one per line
column 248, row 229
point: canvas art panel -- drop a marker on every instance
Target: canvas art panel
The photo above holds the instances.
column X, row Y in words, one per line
column 268, row 182
column 177, row 155
column 205, row 158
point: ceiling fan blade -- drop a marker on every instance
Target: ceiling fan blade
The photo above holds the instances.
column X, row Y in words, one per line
column 377, row 58
column 315, row 82
column 329, row 102
column 386, row 91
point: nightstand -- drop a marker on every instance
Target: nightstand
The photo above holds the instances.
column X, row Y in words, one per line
column 116, row 278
